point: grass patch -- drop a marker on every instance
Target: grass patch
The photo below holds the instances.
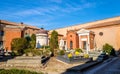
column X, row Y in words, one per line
column 17, row 71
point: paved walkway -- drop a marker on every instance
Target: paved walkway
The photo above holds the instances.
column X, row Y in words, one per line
column 112, row 67
column 57, row 67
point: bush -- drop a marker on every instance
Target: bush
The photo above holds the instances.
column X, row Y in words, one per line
column 78, row 50
column 69, row 55
column 16, row 71
column 77, row 53
column 86, row 55
column 33, row 52
column 47, row 52
column 61, row 52
column 46, row 47
column 32, row 41
column 18, row 45
column 113, row 53
column 108, row 49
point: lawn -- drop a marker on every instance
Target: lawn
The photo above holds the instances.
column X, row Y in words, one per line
column 17, row 71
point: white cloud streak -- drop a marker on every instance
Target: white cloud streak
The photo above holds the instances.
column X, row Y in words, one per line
column 54, row 9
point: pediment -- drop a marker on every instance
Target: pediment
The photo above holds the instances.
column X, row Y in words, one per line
column 83, row 31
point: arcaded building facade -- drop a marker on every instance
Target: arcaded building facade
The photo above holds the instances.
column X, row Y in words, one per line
column 93, row 35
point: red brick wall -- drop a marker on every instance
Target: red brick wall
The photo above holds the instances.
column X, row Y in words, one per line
column 72, row 36
column 9, row 35
column 30, row 31
column 91, row 41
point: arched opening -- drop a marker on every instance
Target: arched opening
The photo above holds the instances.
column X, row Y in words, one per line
column 71, row 44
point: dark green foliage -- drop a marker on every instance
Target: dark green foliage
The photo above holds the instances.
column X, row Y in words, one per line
column 18, row 45
column 78, row 50
column 28, row 38
column 113, row 53
column 47, row 52
column 33, row 41
column 34, row 52
column 108, row 49
column 16, row 71
column 54, row 41
column 45, row 47
column 61, row 52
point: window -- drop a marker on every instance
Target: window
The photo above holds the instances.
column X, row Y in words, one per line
column 1, row 43
column 101, row 33
column 71, row 45
column 1, row 33
column 64, row 42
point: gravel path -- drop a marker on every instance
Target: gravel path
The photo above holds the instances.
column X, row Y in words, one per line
column 55, row 66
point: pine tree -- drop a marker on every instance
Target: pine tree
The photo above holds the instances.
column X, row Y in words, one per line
column 54, row 41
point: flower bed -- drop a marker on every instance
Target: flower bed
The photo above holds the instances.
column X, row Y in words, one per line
column 73, row 59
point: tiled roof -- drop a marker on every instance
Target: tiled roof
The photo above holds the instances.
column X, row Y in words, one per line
column 103, row 24
column 9, row 23
column 42, row 31
column 17, row 24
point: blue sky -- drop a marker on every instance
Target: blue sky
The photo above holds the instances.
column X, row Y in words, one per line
column 52, row 14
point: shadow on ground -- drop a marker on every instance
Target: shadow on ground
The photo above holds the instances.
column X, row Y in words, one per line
column 87, row 65
column 6, row 58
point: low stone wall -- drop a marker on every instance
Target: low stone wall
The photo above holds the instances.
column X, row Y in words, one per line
column 73, row 60
column 24, row 61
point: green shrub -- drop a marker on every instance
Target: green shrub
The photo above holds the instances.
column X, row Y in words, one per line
column 34, row 52
column 16, row 71
column 46, row 47
column 61, row 52
column 108, row 49
column 77, row 53
column 86, row 55
column 70, row 55
column 78, row 50
column 13, row 54
column 47, row 52
column 113, row 53
column 32, row 41
column 18, row 45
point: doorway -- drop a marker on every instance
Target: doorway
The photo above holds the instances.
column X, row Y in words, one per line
column 71, row 45
column 84, row 45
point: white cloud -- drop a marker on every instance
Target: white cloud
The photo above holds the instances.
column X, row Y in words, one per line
column 54, row 9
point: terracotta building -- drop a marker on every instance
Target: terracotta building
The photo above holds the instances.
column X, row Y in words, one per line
column 92, row 35
column 11, row 30
column 72, row 39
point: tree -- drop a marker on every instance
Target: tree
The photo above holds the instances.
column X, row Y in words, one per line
column 54, row 41
column 28, row 38
column 18, row 45
column 33, row 41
